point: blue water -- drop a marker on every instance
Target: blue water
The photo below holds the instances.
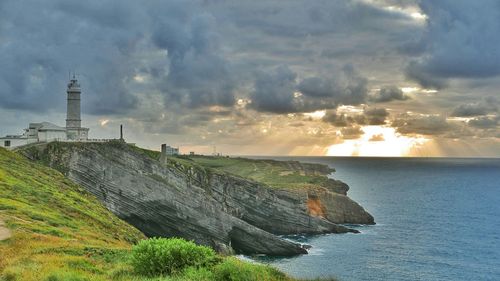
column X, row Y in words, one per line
column 437, row 219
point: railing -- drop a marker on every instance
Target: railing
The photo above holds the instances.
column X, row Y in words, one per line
column 88, row 140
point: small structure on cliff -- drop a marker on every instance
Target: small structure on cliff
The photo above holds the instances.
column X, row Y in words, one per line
column 167, row 150
column 121, row 134
column 47, row 132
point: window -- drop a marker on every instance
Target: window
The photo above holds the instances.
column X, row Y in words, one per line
column 6, row 143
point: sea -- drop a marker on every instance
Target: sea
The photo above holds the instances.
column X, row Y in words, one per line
column 436, row 219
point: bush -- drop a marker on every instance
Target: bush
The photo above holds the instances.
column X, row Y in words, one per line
column 233, row 269
column 161, row 256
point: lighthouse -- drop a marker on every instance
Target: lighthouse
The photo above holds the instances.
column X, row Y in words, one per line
column 47, row 132
column 74, row 130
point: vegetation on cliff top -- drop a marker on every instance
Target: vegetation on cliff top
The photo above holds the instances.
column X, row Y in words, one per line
column 61, row 232
column 277, row 174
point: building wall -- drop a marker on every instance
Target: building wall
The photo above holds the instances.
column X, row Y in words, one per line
column 14, row 142
column 77, row 133
column 171, row 151
column 47, row 136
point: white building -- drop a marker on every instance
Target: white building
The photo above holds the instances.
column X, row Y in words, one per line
column 47, row 132
column 13, row 141
column 169, row 150
column 36, row 132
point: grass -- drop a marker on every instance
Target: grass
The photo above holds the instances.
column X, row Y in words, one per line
column 59, row 231
column 149, row 153
column 276, row 174
column 62, row 233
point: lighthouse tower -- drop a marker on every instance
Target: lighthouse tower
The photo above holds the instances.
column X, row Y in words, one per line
column 74, row 130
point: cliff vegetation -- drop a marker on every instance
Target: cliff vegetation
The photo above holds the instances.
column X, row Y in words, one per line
column 272, row 173
column 276, row 174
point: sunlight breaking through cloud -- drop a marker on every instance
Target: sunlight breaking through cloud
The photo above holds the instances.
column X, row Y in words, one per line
column 390, row 144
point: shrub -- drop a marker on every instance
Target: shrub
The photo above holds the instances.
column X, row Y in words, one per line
column 233, row 269
column 161, row 256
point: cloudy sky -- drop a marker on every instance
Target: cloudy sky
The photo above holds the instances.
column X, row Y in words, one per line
column 264, row 77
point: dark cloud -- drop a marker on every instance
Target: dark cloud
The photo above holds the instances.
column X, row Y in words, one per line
column 478, row 108
column 471, row 109
column 278, row 91
column 175, row 45
column 484, row 122
column 198, row 74
column 176, row 122
column 317, row 87
column 347, row 87
column 354, row 132
column 370, row 116
column 274, row 92
column 375, row 116
column 424, row 125
column 417, row 72
column 304, row 18
column 337, row 120
column 195, row 67
column 460, row 42
column 387, row 94
column 45, row 40
column 171, row 43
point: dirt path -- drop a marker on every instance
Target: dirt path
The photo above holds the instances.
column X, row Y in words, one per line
column 4, row 231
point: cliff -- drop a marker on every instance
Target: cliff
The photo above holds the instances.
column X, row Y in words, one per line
column 211, row 206
column 301, row 182
column 51, row 229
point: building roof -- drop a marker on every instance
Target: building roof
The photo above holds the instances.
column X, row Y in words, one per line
column 46, row 126
column 13, row 137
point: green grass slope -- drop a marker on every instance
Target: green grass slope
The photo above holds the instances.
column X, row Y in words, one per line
column 59, row 231
column 276, row 174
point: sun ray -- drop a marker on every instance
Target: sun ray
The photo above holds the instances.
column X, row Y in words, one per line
column 378, row 141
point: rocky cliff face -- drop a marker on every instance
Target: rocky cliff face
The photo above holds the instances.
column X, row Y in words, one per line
column 213, row 208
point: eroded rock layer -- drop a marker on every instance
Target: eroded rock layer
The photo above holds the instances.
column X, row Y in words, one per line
column 226, row 212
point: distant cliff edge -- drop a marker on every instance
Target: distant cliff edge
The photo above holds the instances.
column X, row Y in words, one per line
column 203, row 199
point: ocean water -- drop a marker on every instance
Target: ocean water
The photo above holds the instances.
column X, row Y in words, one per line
column 437, row 219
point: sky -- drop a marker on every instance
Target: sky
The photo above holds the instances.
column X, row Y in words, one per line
column 263, row 77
